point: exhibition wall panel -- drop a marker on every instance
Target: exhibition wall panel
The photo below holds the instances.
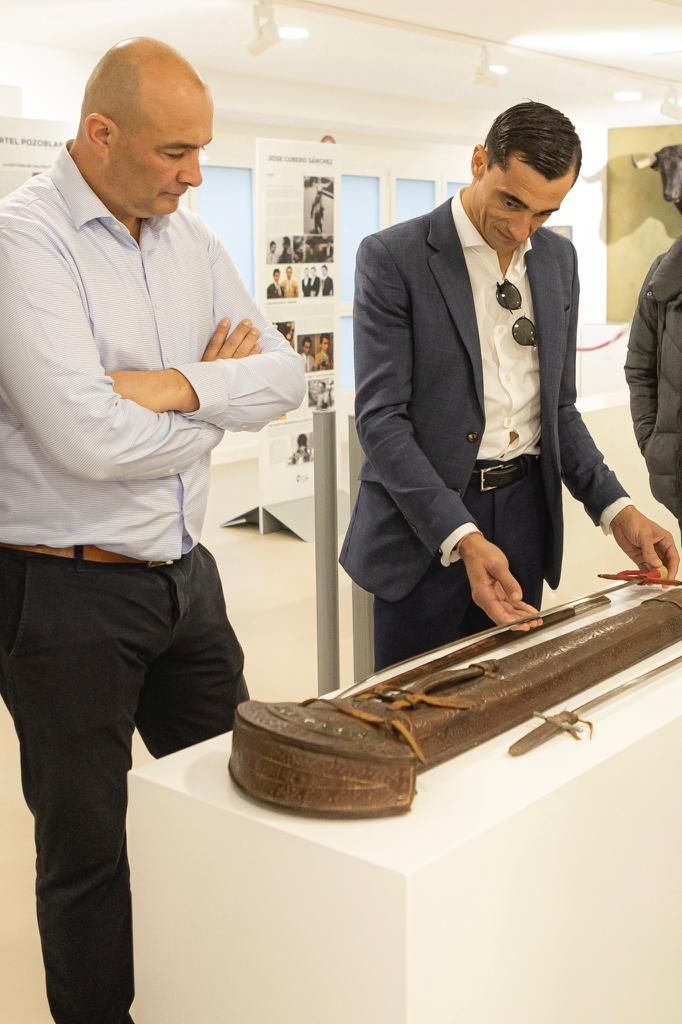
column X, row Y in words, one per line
column 360, row 216
column 225, row 202
column 413, row 196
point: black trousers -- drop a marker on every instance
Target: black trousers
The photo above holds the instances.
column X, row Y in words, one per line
column 89, row 652
column 439, row 610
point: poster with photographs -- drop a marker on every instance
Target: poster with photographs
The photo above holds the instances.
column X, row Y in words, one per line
column 28, row 147
column 296, row 279
column 297, row 188
column 296, row 185
column 287, row 461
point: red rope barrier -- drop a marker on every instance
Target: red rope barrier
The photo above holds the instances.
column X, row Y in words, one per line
column 603, row 344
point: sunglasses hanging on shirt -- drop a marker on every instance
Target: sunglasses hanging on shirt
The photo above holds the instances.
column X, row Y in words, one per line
column 523, row 329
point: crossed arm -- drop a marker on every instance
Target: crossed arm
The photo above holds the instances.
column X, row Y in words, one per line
column 170, row 390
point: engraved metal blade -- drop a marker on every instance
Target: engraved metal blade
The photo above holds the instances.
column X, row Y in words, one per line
column 491, row 632
column 549, row 729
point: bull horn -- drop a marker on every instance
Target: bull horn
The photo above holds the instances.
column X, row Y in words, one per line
column 644, row 161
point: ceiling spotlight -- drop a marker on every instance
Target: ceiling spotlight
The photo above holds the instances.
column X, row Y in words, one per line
column 266, row 33
column 627, row 96
column 293, row 32
column 487, row 73
column 672, row 105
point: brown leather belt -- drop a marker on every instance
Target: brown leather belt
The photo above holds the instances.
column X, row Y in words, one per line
column 89, row 553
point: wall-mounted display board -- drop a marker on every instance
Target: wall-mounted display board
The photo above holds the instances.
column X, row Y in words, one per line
column 27, row 147
column 640, row 224
column 297, row 198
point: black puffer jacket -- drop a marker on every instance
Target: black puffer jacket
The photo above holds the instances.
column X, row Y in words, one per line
column 654, row 374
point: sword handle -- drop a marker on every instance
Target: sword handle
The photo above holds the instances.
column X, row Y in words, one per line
column 564, row 721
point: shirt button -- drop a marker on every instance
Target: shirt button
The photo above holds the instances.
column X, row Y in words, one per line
column 507, row 422
column 472, row 436
column 507, row 376
column 172, row 471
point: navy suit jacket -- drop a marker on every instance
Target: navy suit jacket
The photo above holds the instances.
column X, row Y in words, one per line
column 419, row 399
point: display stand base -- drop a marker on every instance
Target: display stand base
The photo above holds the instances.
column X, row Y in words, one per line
column 251, row 516
column 297, row 516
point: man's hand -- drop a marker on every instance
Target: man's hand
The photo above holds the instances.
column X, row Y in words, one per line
column 241, row 343
column 493, row 587
column 644, row 541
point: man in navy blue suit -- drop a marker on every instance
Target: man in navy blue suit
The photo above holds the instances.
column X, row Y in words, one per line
column 465, row 335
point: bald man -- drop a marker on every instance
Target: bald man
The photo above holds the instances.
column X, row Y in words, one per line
column 129, row 346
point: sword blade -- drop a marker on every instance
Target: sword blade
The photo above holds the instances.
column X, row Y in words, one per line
column 564, row 719
column 493, row 631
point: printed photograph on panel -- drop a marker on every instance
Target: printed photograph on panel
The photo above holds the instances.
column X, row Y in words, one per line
column 326, row 281
column 322, row 248
column 274, row 289
column 287, row 329
column 280, row 250
column 642, row 220
column 305, row 346
column 303, row 450
column 321, row 393
column 290, row 288
column 310, row 283
column 324, row 351
column 318, row 206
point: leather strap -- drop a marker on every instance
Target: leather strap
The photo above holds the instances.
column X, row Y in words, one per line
column 90, row 553
column 492, row 478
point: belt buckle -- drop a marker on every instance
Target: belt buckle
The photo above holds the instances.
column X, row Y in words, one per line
column 484, row 485
column 157, row 565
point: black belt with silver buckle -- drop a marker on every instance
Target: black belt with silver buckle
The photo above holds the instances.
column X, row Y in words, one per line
column 492, row 478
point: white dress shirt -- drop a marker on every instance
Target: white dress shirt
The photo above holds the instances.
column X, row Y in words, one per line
column 79, row 297
column 511, row 372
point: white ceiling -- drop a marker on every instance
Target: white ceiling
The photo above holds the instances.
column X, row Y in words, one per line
column 611, row 45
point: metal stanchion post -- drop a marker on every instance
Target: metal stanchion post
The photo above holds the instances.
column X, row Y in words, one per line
column 363, row 615
column 326, row 552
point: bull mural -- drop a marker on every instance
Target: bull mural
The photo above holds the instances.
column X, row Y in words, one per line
column 668, row 162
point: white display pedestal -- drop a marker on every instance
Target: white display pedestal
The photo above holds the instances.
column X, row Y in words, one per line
column 540, row 890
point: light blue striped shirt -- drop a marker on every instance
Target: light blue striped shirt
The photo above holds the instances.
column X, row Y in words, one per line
column 78, row 297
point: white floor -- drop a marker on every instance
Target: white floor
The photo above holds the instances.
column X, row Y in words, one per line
column 269, row 583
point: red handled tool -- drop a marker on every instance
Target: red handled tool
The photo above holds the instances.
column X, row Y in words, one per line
column 645, row 577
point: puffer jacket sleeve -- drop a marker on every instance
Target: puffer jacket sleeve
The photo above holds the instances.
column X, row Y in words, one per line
column 641, row 365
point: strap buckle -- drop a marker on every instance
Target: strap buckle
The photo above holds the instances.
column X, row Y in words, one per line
column 484, row 485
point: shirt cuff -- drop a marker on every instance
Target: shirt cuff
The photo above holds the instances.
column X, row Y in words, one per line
column 209, row 385
column 610, row 513
column 448, row 549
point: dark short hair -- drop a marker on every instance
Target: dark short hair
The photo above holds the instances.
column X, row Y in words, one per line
column 540, row 136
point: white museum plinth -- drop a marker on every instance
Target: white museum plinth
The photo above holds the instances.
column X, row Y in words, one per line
column 540, row 890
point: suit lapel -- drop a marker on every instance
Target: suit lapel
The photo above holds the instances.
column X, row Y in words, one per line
column 449, row 268
column 548, row 313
